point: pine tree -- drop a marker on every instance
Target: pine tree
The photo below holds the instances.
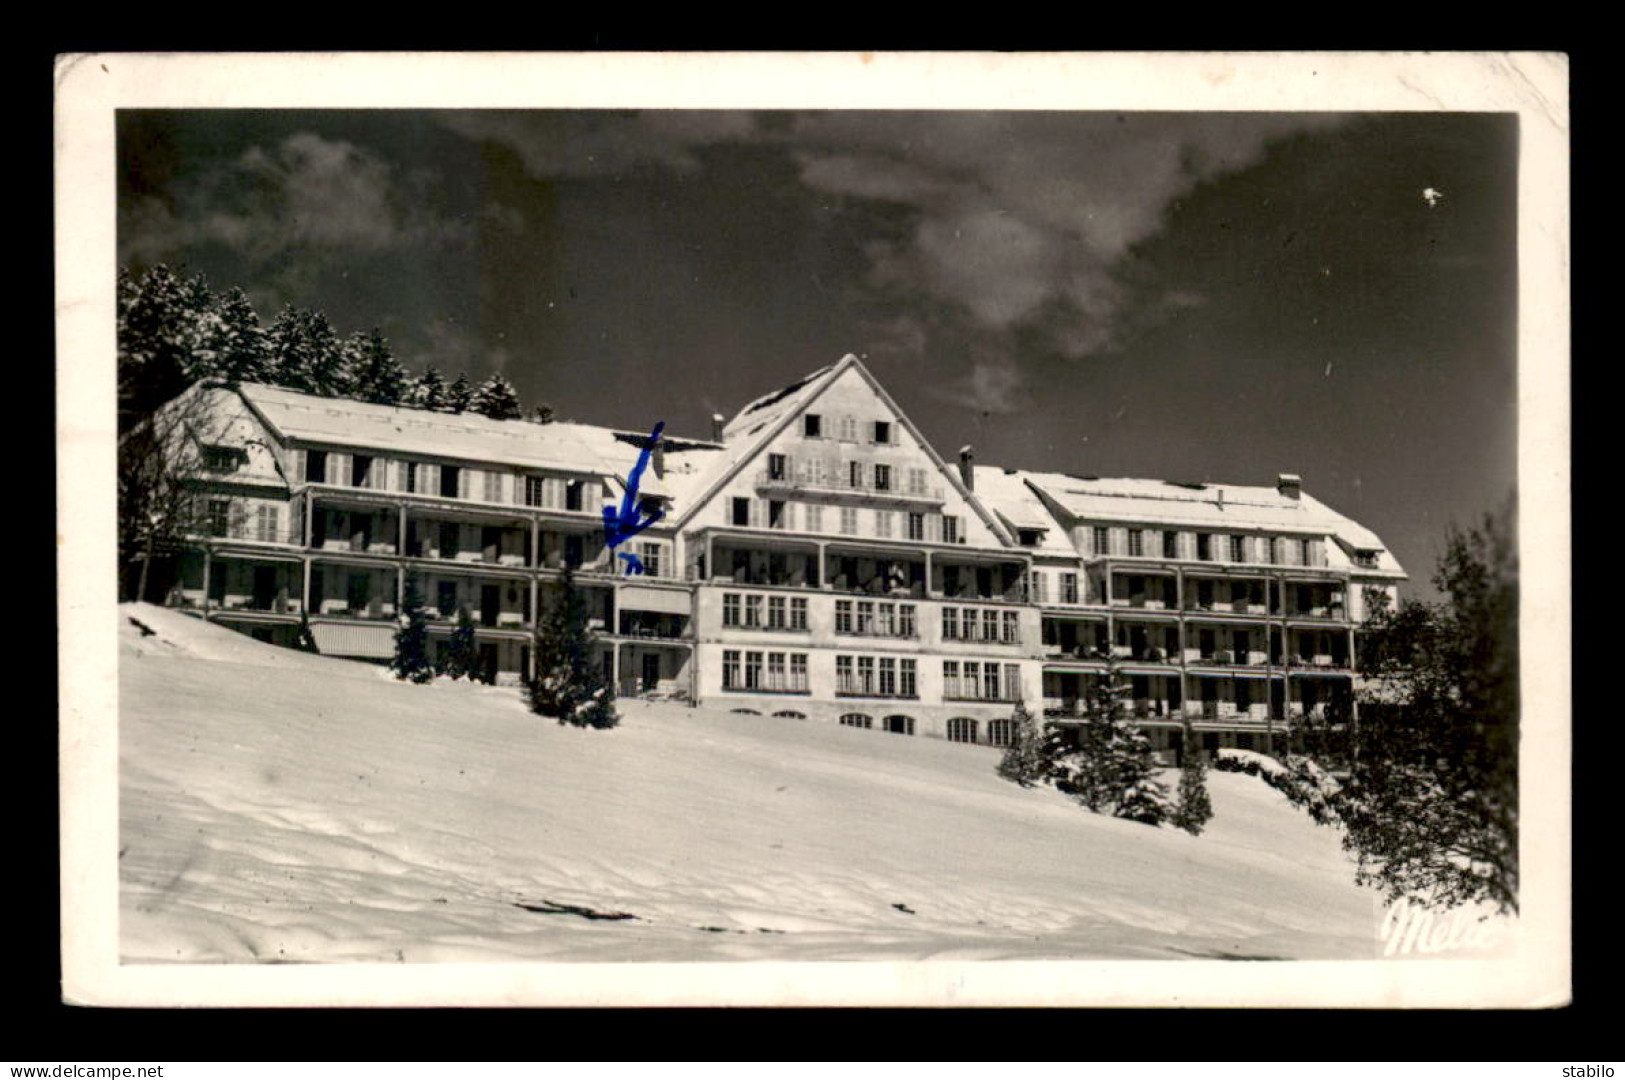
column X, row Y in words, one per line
column 542, row 414
column 377, row 377
column 1193, row 809
column 163, row 320
column 1024, row 761
column 1111, row 767
column 242, row 353
column 463, row 655
column 497, row 399
column 305, row 353
column 461, row 395
column 411, row 660
column 305, row 639
column 567, row 684
column 430, row 391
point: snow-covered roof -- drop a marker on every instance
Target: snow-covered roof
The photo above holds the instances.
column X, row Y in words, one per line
column 1214, row 506
column 1004, row 492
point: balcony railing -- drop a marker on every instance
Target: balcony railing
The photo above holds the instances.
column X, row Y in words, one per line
column 788, row 480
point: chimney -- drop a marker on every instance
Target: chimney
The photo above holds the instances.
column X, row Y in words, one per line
column 967, row 475
column 717, row 420
column 1289, row 484
column 657, row 457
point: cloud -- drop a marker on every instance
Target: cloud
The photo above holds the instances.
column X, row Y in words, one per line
column 599, row 143
column 304, row 195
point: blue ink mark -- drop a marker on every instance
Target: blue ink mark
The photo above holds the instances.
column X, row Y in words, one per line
column 621, row 526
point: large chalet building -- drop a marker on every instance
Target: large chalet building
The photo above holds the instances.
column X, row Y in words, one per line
column 815, row 559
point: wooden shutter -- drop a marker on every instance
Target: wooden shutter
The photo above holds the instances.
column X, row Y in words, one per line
column 296, row 464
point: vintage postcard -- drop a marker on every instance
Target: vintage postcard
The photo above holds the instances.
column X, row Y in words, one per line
column 830, row 529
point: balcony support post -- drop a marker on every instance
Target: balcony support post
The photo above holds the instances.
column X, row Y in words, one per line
column 207, row 565
column 304, row 593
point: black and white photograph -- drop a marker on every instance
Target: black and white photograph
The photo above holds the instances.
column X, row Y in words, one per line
column 814, row 529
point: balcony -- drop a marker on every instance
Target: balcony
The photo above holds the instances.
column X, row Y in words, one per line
column 790, row 479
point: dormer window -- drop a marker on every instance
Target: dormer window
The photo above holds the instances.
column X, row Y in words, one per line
column 1030, row 537
column 221, row 458
column 1366, row 557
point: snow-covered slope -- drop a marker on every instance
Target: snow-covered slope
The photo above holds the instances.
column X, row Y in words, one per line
column 282, row 807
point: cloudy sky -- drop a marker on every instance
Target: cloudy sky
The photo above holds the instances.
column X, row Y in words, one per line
column 1195, row 297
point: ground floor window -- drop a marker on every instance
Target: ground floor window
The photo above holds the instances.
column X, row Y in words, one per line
column 857, row 719
column 1000, row 732
column 790, row 714
column 899, row 725
column 962, row 729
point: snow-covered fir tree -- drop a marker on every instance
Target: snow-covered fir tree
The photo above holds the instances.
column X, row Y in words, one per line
column 376, row 375
column 462, row 655
column 305, row 353
column 305, row 639
column 429, row 392
column 1192, row 806
column 163, row 317
column 241, row 352
column 411, row 660
column 461, row 394
column 1110, row 767
column 497, row 399
column 567, row 684
column 1024, row 760
column 541, row 414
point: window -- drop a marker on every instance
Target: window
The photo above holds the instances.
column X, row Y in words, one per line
column 990, row 681
column 962, row 729
column 1307, row 548
column 409, row 478
column 1012, row 682
column 730, row 609
column 1170, row 545
column 219, row 458
column 916, row 481
column 967, row 624
column 776, row 467
column 950, row 529
column 730, row 670
column 218, row 517
column 971, row 687
column 798, row 613
column 775, row 672
column 1136, row 542
column 1238, row 552
column 1274, row 546
column 753, row 671
column 446, row 599
column 854, row 474
column 905, row 621
column 950, row 624
column 812, row 426
column 1012, row 628
column 950, row 679
column 1244, row 696
column 1101, row 540
column 866, row 617
column 790, row 714
column 775, row 613
column 1036, row 589
column 449, row 481
column 741, row 511
column 845, row 682
column 493, row 486
column 316, row 466
column 883, row 521
column 1204, row 547
column 814, row 515
column 866, row 675
column 778, row 515
column 843, row 616
column 914, row 527
column 899, row 725
column 906, row 681
column 1069, row 588
column 849, row 520
column 574, row 493
column 649, row 553
column 857, row 719
column 990, row 625
column 888, row 676
column 882, row 477
column 999, row 732
column 883, row 432
column 359, row 593
column 798, row 672
column 268, row 524
column 753, row 612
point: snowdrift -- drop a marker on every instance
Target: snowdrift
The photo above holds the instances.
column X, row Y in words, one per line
column 282, row 807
